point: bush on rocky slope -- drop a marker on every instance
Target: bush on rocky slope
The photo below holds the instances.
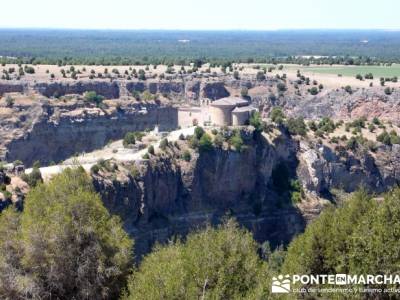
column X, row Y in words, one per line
column 63, row 245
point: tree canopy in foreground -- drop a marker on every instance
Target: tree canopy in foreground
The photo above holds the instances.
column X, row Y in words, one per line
column 64, row 245
column 216, row 263
column 360, row 238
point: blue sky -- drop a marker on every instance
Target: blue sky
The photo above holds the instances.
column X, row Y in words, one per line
column 201, row 14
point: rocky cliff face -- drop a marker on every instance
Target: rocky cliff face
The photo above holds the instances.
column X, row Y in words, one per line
column 169, row 196
column 109, row 90
column 191, row 89
column 339, row 104
column 185, row 89
column 322, row 168
column 6, row 87
column 56, row 134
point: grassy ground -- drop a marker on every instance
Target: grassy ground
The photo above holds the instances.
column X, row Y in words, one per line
column 354, row 70
column 328, row 75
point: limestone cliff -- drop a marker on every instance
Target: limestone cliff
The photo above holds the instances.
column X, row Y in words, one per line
column 54, row 133
column 109, row 90
column 322, row 168
column 6, row 87
column 167, row 196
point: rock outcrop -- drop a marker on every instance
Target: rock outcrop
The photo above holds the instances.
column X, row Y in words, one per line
column 214, row 91
column 322, row 168
column 339, row 104
column 109, row 90
column 56, row 133
column 193, row 89
column 169, row 196
column 6, row 87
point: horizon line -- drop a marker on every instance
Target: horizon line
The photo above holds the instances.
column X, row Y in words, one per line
column 199, row 29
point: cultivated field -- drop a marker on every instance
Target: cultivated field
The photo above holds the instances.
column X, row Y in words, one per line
column 329, row 75
column 377, row 71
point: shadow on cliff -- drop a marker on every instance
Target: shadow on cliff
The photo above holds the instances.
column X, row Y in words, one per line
column 237, row 184
column 254, row 186
column 282, row 219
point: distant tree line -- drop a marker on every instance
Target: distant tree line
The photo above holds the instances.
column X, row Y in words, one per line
column 111, row 60
column 218, row 48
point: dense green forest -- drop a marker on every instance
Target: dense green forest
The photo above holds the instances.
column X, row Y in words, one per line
column 66, row 245
column 182, row 47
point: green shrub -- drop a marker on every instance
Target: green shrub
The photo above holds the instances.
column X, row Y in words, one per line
column 194, row 142
column 312, row 125
column 376, row 121
column 29, row 70
column 198, row 132
column 95, row 169
column 186, row 156
column 10, row 101
column 92, row 97
column 150, row 149
column 277, row 115
column 17, row 163
column 164, row 144
column 134, row 171
column 256, row 121
column 371, row 127
column 296, row 126
column 218, row 140
column 335, row 140
column 359, row 123
column 237, row 142
column 369, row 76
column 34, row 178
column 281, row 87
column 314, row 91
column 260, row 76
column 147, row 96
column 327, row 125
column 244, row 92
column 295, row 197
column 348, row 89
column 129, row 139
column 352, row 143
column 388, row 138
column 388, row 91
column 319, row 133
column 64, row 228
column 205, row 143
column 296, row 191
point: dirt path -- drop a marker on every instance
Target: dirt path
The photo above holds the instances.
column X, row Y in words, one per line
column 114, row 150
